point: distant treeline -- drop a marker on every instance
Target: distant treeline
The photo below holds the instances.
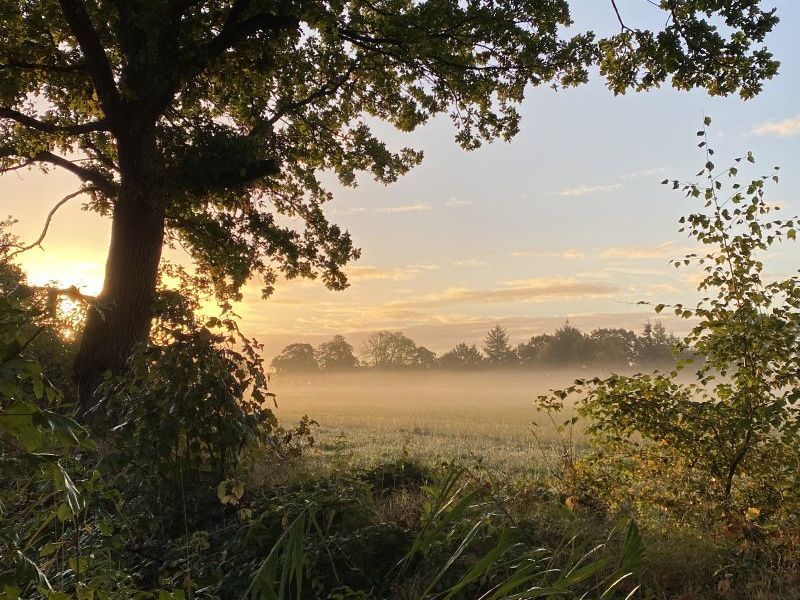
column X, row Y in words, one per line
column 567, row 346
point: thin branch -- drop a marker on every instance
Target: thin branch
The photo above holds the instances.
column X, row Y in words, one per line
column 100, row 181
column 48, row 127
column 331, row 88
column 49, row 218
column 619, row 17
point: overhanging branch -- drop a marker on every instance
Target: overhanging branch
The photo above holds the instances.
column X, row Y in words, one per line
column 48, row 127
column 103, row 184
column 13, row 63
column 40, row 239
column 237, row 176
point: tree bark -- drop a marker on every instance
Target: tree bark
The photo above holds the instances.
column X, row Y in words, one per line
column 124, row 308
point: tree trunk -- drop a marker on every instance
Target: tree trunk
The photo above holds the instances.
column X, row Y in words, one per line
column 122, row 318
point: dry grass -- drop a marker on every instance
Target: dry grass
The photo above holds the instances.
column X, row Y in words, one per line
column 373, row 416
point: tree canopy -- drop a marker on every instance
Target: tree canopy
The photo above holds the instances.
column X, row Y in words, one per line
column 335, row 355
column 295, row 357
column 389, row 350
column 462, row 356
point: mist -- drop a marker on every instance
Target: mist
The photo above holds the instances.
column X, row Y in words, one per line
column 434, row 414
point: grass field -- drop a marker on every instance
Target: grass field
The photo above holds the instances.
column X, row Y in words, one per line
column 371, row 416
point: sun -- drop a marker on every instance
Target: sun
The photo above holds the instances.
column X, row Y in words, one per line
column 64, row 271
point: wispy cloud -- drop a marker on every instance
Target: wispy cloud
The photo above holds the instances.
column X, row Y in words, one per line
column 664, row 250
column 585, row 190
column 654, row 172
column 627, row 270
column 568, row 253
column 375, row 273
column 420, row 206
column 404, row 208
column 348, row 211
column 469, row 262
column 660, row 288
column 453, row 202
column 786, row 128
column 528, row 290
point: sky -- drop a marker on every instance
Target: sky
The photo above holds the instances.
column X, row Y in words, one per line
column 567, row 221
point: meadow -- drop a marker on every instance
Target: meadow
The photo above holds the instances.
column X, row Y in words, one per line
column 371, row 416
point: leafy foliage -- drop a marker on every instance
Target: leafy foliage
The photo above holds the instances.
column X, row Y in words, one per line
column 196, row 396
column 35, row 444
column 731, row 436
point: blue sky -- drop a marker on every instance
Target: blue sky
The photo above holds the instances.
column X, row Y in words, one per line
column 567, row 220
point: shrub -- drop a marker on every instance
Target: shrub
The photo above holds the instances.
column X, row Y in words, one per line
column 726, row 443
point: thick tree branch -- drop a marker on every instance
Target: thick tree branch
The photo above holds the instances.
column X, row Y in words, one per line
column 220, row 179
column 103, row 184
column 235, row 31
column 97, row 64
column 48, row 127
column 13, row 63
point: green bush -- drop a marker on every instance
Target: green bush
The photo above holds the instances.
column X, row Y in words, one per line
column 725, row 445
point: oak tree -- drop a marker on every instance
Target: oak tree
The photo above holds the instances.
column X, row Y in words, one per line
column 207, row 123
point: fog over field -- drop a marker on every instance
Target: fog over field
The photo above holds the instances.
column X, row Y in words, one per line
column 428, row 414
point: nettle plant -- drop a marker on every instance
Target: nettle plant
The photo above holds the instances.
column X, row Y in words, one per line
column 728, row 436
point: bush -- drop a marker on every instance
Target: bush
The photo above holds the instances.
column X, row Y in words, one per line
column 727, row 444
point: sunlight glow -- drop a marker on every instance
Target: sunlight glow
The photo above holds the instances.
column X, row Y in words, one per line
column 64, row 271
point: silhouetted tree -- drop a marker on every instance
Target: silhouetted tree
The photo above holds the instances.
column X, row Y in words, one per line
column 424, row 358
column 336, row 355
column 462, row 357
column 530, row 352
column 389, row 350
column 613, row 346
column 295, row 358
column 655, row 345
column 568, row 346
column 497, row 348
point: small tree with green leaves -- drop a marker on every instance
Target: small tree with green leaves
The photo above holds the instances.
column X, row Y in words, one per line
column 732, row 433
